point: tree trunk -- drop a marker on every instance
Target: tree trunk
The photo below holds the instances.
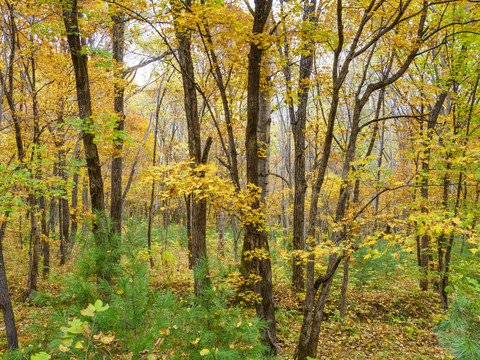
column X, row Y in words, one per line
column 220, row 227
column 118, row 40
column 80, row 66
column 188, row 211
column 32, row 197
column 51, row 225
column 34, row 250
column 74, row 202
column 255, row 236
column 199, row 207
column 64, row 211
column 298, row 122
column 425, row 252
column 45, row 234
column 152, row 193
column 5, row 301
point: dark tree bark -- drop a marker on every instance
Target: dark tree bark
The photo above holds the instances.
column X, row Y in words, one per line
column 118, row 39
column 80, row 66
column 425, row 253
column 5, row 302
column 51, row 225
column 152, row 193
column 34, row 251
column 64, row 211
column 298, row 122
column 7, row 86
column 199, row 207
column 255, row 236
column 74, row 203
column 33, row 201
column 45, row 234
column 7, row 83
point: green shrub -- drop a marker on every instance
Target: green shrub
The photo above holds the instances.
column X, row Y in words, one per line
column 140, row 321
column 460, row 332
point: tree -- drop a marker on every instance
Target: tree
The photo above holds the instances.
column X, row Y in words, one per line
column 313, row 309
column 84, row 100
column 5, row 301
column 199, row 207
column 118, row 44
column 298, row 121
column 255, row 236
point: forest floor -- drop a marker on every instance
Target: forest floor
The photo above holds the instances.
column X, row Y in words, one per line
column 392, row 322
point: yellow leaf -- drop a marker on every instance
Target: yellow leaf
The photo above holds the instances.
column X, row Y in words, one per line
column 474, row 251
column 89, row 311
column 107, row 339
column 368, row 256
column 63, row 348
column 204, row 352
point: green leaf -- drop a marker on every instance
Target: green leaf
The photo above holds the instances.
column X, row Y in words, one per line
column 107, row 64
column 41, row 356
column 100, row 307
column 75, row 326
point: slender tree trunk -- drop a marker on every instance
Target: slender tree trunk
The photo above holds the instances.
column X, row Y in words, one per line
column 34, row 250
column 51, row 225
column 118, row 40
column 64, row 212
column 236, row 236
column 5, row 301
column 199, row 207
column 425, row 253
column 188, row 211
column 80, row 66
column 152, row 193
column 74, row 202
column 298, row 123
column 220, row 227
column 32, row 197
column 45, row 234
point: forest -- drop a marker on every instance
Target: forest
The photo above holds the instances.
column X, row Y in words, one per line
column 228, row 179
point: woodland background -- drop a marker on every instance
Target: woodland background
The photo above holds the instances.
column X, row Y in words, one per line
column 232, row 180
